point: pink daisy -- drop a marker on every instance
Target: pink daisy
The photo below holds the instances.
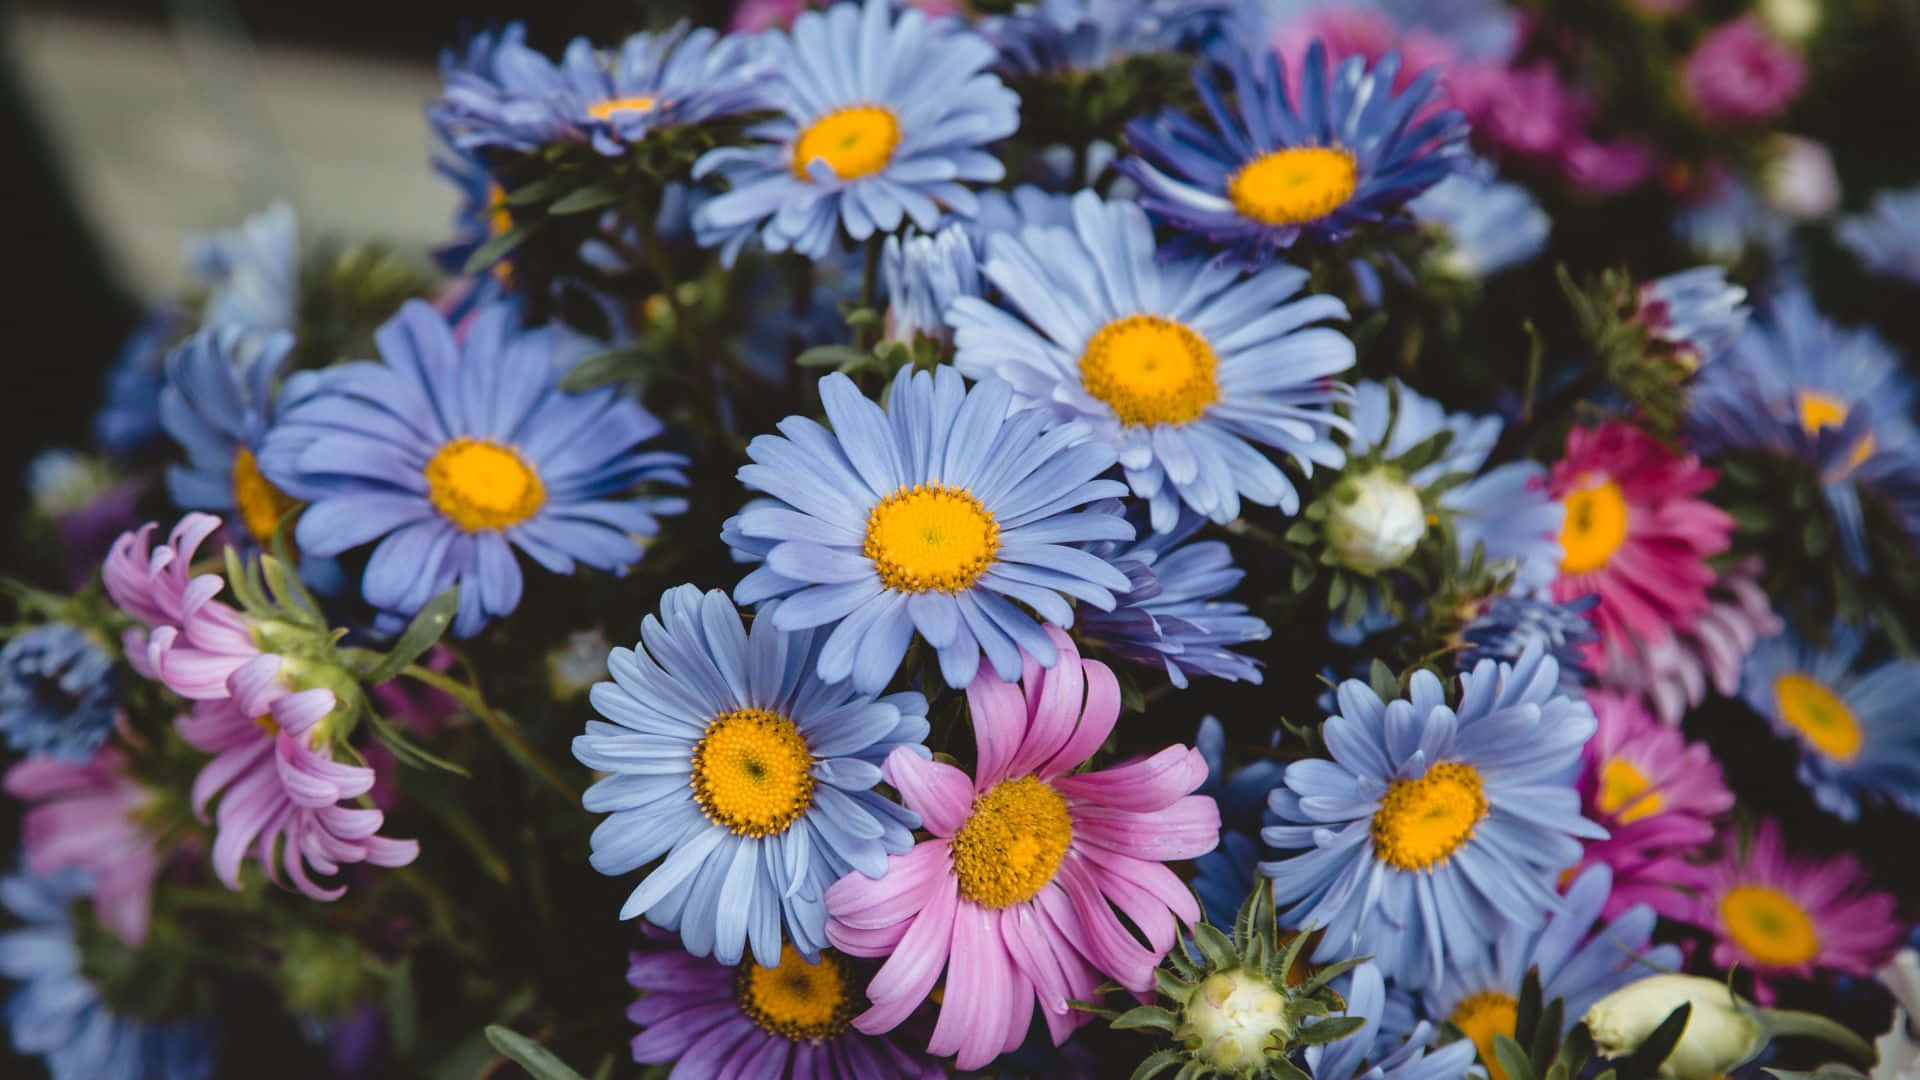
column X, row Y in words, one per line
column 1784, row 917
column 1634, row 534
column 1659, row 797
column 1014, row 894
column 192, row 641
column 1673, row 672
column 88, row 817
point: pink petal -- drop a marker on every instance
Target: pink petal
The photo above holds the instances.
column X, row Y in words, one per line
column 1186, row 830
column 1145, row 784
column 1054, row 697
column 865, row 903
column 941, row 794
column 974, row 1016
column 1096, row 720
column 999, row 725
column 903, row 982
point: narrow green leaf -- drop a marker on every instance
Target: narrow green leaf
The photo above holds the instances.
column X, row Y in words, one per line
column 1511, row 1058
column 403, row 1013
column 833, row 356
column 601, row 368
column 1331, row 972
column 496, row 248
column 1546, row 1035
column 1156, row 1063
column 580, row 200
column 1646, row 1060
column 426, row 628
column 1217, row 947
column 409, row 752
column 529, row 1055
column 540, row 190
column 1146, row 1016
column 1527, row 1012
column 1328, row 1030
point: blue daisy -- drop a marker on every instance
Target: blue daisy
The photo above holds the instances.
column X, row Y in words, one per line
column 1508, row 625
column 751, row 776
column 1172, row 617
column 59, row 693
column 1181, row 366
column 1223, row 877
column 58, row 1015
column 1489, row 224
column 1370, row 1054
column 1349, row 152
column 481, row 215
column 936, row 514
column 1578, row 959
column 1433, row 830
column 923, row 275
column 251, row 273
column 1054, row 36
column 1858, row 741
column 885, row 118
column 1698, row 310
column 1798, row 386
column 1887, row 236
column 129, row 419
column 503, row 95
column 454, row 453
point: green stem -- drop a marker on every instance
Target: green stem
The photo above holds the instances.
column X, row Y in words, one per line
column 1792, row 1022
column 497, row 725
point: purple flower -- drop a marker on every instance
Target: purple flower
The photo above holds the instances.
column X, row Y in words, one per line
column 1739, row 74
column 88, row 817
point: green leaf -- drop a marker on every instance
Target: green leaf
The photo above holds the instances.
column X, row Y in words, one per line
column 292, row 597
column 539, row 191
column 1820, row 1074
column 1328, row 1030
column 1511, row 1058
column 1157, row 1063
column 833, row 356
column 1646, row 1060
column 409, row 752
column 1546, row 1035
column 1170, row 986
column 1217, row 947
column 1331, row 972
column 580, row 200
column 496, row 248
column 529, row 1055
column 403, row 1013
column 426, row 628
column 601, row 368
column 455, row 812
column 246, row 588
column 1146, row 1016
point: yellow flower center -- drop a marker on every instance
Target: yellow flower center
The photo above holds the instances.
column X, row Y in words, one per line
column 499, row 223
column 1594, row 528
column 1819, row 411
column 1626, row 793
column 482, row 485
column 855, row 141
column 1767, row 923
column 934, row 537
column 1290, row 186
column 1482, row 1016
column 794, row 999
column 1422, row 822
column 261, row 505
column 752, row 772
column 1012, row 843
column 1150, row 370
column 1818, row 714
column 608, row 109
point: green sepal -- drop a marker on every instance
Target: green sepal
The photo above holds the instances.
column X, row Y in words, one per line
column 539, row 1062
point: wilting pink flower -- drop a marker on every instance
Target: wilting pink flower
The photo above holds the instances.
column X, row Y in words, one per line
column 1671, row 672
column 1606, row 168
column 1014, row 895
column 1634, row 534
column 192, row 641
column 1739, row 74
column 87, row 817
column 753, row 16
column 1525, row 112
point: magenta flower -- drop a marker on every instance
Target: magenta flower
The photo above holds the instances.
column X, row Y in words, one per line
column 87, row 817
column 1014, row 894
column 1739, row 74
column 192, row 642
column 1671, row 673
column 1635, row 535
column 1525, row 113
column 1784, row 917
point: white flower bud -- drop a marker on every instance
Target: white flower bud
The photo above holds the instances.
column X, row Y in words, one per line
column 1792, row 21
column 1721, row 1032
column 1376, row 521
column 1799, row 180
column 1237, row 1015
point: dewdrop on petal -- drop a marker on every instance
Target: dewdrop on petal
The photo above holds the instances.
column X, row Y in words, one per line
column 1722, row 1031
column 1376, row 522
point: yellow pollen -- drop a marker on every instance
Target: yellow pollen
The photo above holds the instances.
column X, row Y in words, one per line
column 499, row 223
column 1422, row 822
column 931, row 537
column 608, row 109
column 1294, row 185
column 1482, row 1016
column 855, row 141
column 1770, row 925
column 794, row 999
column 261, row 505
column 483, row 485
column 1819, row 715
column 1820, row 411
column 1012, row 843
column 1150, row 370
column 1595, row 526
column 1626, row 793
column 752, row 772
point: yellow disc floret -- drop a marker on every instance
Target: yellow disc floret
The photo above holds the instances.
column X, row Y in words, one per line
column 482, row 485
column 855, row 141
column 1626, row 793
column 1482, row 1016
column 1012, row 843
column 931, row 537
column 1151, row 370
column 1820, row 411
column 1770, row 925
column 1819, row 715
column 612, row 107
column 261, row 505
column 794, row 999
column 1422, row 822
column 752, row 772
column 1294, row 185
column 1595, row 526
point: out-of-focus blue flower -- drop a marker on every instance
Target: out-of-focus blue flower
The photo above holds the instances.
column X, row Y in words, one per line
column 454, row 454
column 1054, row 36
column 1433, row 829
column 504, row 95
column 1349, row 152
column 1730, row 220
column 1222, row 877
column 218, row 403
column 130, row 417
column 481, row 215
column 885, row 118
column 1171, row 617
column 751, row 776
column 1887, row 236
column 1490, row 224
column 1511, row 624
column 1181, row 366
column 1858, row 742
column 58, row 692
column 933, row 515
column 252, row 273
column 923, row 275
column 58, row 1015
column 1698, row 310
column 1372, row 1054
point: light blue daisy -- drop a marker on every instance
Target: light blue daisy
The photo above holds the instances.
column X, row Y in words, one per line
column 58, row 1015
column 59, row 692
column 924, row 274
column 1372, row 1054
column 1698, row 310
column 1510, row 624
column 1433, row 830
column 937, row 514
column 1854, row 724
column 1490, row 225
column 1055, row 36
column 1182, row 366
column 251, row 273
column 886, row 116
column 746, row 775
column 1887, row 236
